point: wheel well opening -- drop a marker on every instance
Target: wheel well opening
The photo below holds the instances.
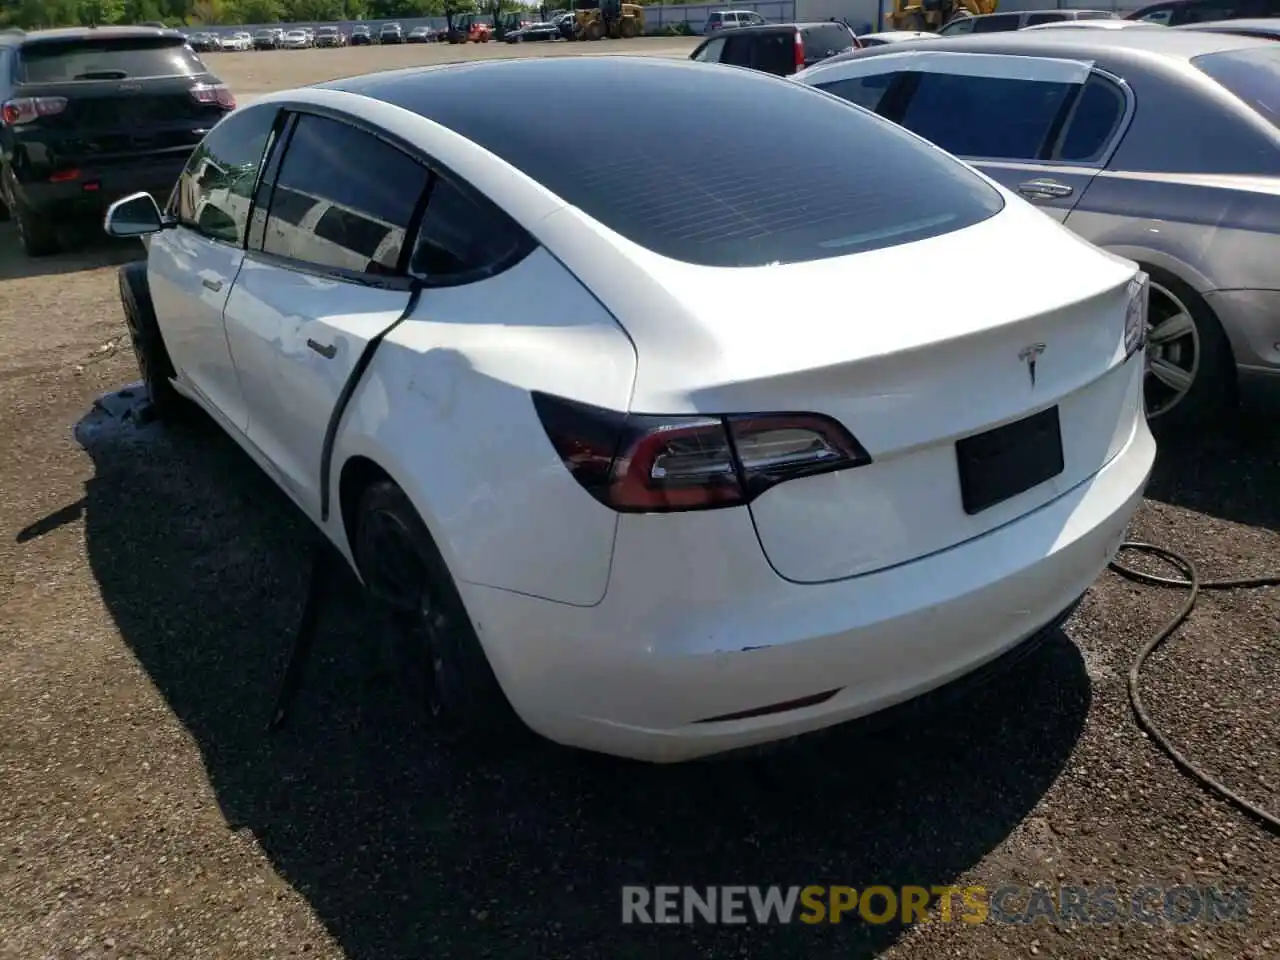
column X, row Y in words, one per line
column 357, row 475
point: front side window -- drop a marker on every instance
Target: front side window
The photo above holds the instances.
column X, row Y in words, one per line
column 865, row 91
column 994, row 118
column 343, row 199
column 1251, row 74
column 215, row 191
column 957, row 27
column 1160, row 15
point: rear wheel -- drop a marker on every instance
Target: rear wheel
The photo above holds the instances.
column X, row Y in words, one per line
column 436, row 647
column 629, row 29
column 36, row 234
column 1190, row 372
column 594, row 31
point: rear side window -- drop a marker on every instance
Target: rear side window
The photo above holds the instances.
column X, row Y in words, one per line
column 1034, row 18
column 865, row 91
column 997, row 22
column 125, row 59
column 1095, row 15
column 343, row 198
column 985, row 117
column 709, row 52
column 1093, row 121
column 1252, row 74
column 825, row 41
column 463, row 236
column 774, row 52
column 738, row 50
column 1160, row 15
column 957, row 27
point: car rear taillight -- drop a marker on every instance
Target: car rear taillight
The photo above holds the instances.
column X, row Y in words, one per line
column 26, row 109
column 799, row 51
column 641, row 463
column 211, row 93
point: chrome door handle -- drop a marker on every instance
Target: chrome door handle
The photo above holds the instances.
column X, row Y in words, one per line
column 1044, row 190
column 214, row 285
column 326, row 350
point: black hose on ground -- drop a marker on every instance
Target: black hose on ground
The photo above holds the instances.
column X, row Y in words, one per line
column 1191, row 582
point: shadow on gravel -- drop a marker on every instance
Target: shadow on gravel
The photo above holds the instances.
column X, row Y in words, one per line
column 406, row 850
column 86, row 249
column 1231, row 471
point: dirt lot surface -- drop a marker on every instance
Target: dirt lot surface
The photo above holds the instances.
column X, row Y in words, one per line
column 149, row 579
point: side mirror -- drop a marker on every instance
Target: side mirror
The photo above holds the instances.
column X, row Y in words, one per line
column 133, row 216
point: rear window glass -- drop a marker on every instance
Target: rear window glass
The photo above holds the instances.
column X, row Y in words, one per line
column 826, row 41
column 1252, row 74
column 680, row 174
column 113, row 60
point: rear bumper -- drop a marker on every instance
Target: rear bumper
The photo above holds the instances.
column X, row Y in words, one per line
column 695, row 625
column 97, row 188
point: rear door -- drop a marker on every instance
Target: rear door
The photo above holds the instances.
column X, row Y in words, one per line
column 325, row 276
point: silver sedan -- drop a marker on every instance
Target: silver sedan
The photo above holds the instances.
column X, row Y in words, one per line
column 1188, row 186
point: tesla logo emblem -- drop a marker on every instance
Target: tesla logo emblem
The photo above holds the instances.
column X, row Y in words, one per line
column 1030, row 355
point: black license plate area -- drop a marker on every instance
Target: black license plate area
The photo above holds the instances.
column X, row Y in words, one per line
column 1002, row 463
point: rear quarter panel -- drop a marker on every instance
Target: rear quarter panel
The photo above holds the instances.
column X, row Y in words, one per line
column 445, row 409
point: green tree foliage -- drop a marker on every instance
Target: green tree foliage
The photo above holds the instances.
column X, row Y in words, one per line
column 36, row 14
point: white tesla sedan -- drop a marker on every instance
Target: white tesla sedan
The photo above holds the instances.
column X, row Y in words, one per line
column 678, row 429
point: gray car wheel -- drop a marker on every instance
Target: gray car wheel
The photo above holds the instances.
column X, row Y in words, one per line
column 1189, row 364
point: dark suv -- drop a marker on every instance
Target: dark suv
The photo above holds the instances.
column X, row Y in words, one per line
column 778, row 48
column 91, row 114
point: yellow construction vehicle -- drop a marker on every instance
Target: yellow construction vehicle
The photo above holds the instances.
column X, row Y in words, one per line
column 597, row 19
column 933, row 15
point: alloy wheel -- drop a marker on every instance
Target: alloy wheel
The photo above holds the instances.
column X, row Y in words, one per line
column 1173, row 351
column 398, row 578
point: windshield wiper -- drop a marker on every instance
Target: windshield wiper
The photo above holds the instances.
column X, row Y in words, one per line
column 102, row 75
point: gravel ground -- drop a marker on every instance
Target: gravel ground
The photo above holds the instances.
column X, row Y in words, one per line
column 149, row 579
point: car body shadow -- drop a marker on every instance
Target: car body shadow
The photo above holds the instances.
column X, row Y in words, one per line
column 85, row 249
column 405, row 848
column 1230, row 470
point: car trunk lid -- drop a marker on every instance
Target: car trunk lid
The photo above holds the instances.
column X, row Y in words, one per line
column 914, row 349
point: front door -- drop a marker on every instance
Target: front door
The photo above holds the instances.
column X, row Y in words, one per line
column 192, row 267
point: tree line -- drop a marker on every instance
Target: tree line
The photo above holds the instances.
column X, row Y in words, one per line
column 35, row 14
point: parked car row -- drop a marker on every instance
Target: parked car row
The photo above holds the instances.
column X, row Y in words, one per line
column 305, row 38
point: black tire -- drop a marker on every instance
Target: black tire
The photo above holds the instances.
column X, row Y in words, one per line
column 39, row 237
column 148, row 344
column 1213, row 390
column 443, row 664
